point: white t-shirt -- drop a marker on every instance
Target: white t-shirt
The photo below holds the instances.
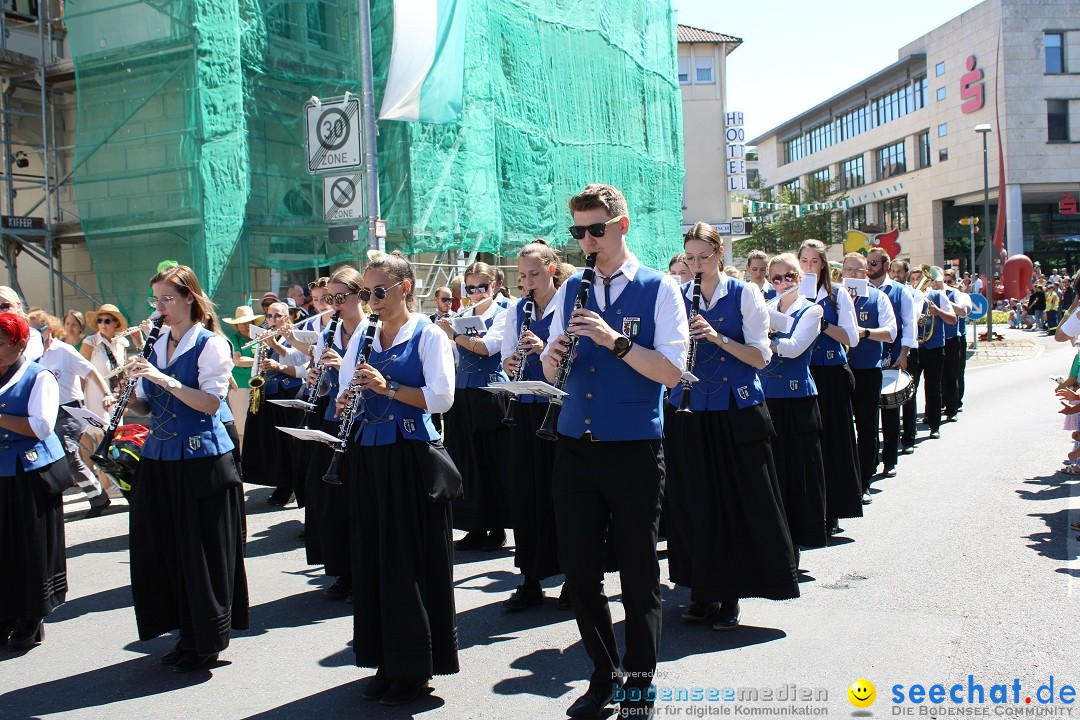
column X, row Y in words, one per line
column 68, row 367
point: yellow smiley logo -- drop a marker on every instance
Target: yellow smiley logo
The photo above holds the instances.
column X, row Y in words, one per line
column 862, row 693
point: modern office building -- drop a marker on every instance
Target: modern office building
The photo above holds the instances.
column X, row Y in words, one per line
column 902, row 145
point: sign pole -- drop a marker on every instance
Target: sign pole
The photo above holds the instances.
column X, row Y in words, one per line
column 370, row 130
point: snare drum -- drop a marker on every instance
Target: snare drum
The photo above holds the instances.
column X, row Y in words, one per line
column 896, row 388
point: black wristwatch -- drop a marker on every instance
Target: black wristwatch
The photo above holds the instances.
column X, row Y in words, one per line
column 622, row 346
column 824, row 324
column 864, row 333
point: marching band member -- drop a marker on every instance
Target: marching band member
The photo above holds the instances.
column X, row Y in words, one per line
column 791, row 397
column 326, row 509
column 33, row 476
column 11, row 302
column 400, row 483
column 727, row 534
column 757, row 266
column 877, row 328
column 475, row 434
column 909, row 278
column 266, row 456
column 678, row 267
column 609, row 466
column 844, row 495
column 902, row 352
column 936, row 307
column 536, row 548
column 187, row 509
column 952, row 374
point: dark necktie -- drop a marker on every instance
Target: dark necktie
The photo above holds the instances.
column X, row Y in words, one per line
column 607, row 288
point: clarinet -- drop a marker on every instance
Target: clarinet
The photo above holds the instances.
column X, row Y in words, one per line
column 551, row 419
column 691, row 356
column 348, row 416
column 320, row 373
column 101, row 454
column 519, row 374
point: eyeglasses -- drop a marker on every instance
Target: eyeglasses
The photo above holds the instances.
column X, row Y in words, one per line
column 378, row 291
column 777, row 279
column 471, row 289
column 597, row 230
column 275, row 315
column 105, row 320
column 336, row 298
column 164, row 300
column 699, row 258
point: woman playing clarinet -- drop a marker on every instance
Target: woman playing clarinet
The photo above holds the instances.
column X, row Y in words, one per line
column 727, row 534
column 187, row 509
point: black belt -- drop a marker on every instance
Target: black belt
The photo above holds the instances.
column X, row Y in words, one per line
column 73, row 403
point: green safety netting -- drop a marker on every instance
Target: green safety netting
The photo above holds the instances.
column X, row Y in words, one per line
column 190, row 133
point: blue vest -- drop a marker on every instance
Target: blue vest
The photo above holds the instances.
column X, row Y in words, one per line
column 226, row 412
column 332, row 377
column 937, row 338
column 769, row 293
column 534, row 369
column 477, row 371
column 381, row 419
column 278, row 383
column 951, row 331
column 895, row 293
column 826, row 350
column 31, row 453
column 790, row 377
column 177, row 431
column 607, row 397
column 721, row 375
column 867, row 354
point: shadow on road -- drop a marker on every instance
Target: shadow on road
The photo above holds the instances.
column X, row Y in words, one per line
column 1053, row 487
column 104, row 601
column 329, row 704
column 279, row 537
column 1055, row 542
column 116, row 543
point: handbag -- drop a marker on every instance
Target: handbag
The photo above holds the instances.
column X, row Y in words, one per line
column 441, row 478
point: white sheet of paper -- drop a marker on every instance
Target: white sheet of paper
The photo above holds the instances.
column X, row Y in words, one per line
column 290, row 403
column 689, row 377
column 808, row 287
column 526, row 387
column 316, row 435
column 86, row 418
column 308, row 337
column 779, row 322
column 255, row 332
column 860, row 286
column 469, row 326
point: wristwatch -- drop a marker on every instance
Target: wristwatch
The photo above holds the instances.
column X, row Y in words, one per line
column 824, row 324
column 392, row 389
column 724, row 339
column 622, row 346
column 172, row 384
column 864, row 333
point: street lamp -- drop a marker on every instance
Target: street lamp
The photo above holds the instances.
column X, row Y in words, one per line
column 984, row 129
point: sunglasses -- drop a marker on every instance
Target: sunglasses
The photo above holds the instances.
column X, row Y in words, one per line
column 777, row 279
column 470, row 289
column 597, row 230
column 336, row 298
column 105, row 320
column 874, row 263
column 444, row 299
column 378, row 291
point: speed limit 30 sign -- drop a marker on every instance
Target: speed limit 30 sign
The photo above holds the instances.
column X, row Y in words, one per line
column 332, row 134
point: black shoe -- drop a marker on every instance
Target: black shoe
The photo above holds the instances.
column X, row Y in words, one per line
column 495, row 540
column 698, row 612
column 27, row 633
column 832, row 526
column 935, row 435
column 377, row 686
column 889, row 471
column 866, row 499
column 173, row 656
column 728, row 617
column 473, row 540
column 403, row 690
column 564, row 598
column 192, row 661
column 97, row 505
column 280, row 500
column 340, row 589
column 950, row 418
column 592, row 703
column 8, row 624
column 526, row 596
column 907, row 450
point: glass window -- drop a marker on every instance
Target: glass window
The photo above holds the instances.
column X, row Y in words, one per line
column 891, row 161
column 277, row 21
column 941, row 94
column 821, row 176
column 794, row 187
column 943, row 154
column 920, row 92
column 856, row 218
column 924, row 149
column 684, row 69
column 703, row 69
column 317, row 13
column 943, row 129
column 1057, row 121
column 852, row 174
column 1054, row 45
column 939, row 69
column 894, row 214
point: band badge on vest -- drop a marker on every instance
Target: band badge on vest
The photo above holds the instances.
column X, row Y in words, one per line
column 31, row 455
column 410, row 425
column 829, row 354
column 493, row 378
column 864, row 315
column 194, row 442
column 631, row 326
column 793, row 384
column 744, row 392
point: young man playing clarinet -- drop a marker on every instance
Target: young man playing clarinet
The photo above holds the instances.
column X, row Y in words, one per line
column 632, row 338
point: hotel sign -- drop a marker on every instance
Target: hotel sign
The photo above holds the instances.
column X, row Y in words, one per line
column 735, row 143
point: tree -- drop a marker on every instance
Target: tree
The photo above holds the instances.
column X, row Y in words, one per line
column 781, row 230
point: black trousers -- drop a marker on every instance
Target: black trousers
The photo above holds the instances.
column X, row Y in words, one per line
column 950, row 375
column 914, row 368
column 963, row 371
column 932, row 363
column 597, row 485
column 865, row 403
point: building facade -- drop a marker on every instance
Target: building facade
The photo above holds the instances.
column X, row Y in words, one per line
column 902, row 148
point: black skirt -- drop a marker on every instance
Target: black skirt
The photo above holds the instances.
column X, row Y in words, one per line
column 536, row 548
column 839, row 451
column 326, row 515
column 797, row 455
column 269, row 454
column 187, row 551
column 403, row 563
column 477, row 441
column 33, row 562
column 727, row 533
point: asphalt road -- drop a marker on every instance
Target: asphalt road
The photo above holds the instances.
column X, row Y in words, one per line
column 964, row 564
